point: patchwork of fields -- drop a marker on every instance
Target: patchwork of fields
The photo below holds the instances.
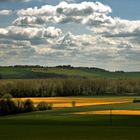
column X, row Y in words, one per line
column 65, row 123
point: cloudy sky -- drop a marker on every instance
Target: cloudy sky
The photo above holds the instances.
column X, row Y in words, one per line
column 104, row 33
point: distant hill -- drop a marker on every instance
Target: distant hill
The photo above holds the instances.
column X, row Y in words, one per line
column 65, row 71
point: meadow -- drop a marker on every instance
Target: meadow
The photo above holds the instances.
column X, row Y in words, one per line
column 63, row 123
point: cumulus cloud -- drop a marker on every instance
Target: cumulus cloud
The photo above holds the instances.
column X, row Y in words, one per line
column 93, row 14
column 62, row 13
column 28, row 33
column 110, row 41
column 12, row 51
column 41, row 43
column 124, row 29
column 19, row 40
column 5, row 12
column 81, row 9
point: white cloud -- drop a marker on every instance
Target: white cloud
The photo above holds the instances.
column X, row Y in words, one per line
column 62, row 13
column 52, row 43
column 94, row 15
column 63, row 8
column 20, row 33
column 110, row 42
column 5, row 12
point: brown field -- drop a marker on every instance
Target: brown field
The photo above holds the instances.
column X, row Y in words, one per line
column 67, row 101
column 113, row 112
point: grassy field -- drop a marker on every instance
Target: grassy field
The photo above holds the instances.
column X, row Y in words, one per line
column 63, row 124
column 30, row 72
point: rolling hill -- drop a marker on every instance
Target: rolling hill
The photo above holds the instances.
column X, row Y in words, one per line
column 36, row 72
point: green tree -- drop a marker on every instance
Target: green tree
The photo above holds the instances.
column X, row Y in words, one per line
column 7, row 107
column 42, row 106
column 7, row 96
column 28, row 106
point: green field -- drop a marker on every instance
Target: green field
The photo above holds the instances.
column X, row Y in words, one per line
column 61, row 124
column 49, row 72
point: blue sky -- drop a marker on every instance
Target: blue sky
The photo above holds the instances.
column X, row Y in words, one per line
column 81, row 33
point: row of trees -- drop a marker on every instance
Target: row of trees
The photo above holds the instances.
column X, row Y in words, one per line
column 69, row 87
column 58, row 66
column 9, row 106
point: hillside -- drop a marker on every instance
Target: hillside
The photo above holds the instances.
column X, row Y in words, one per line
column 36, row 72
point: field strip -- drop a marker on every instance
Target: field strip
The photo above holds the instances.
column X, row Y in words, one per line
column 67, row 102
column 78, row 104
column 113, row 112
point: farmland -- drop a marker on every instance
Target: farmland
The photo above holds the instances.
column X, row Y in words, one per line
column 69, row 70
column 94, row 92
column 33, row 72
column 63, row 123
column 80, row 101
column 38, row 81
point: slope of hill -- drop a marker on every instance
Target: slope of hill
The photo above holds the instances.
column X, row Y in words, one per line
column 33, row 72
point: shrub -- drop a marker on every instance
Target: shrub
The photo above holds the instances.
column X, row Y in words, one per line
column 73, row 103
column 20, row 105
column 8, row 107
column 28, row 106
column 136, row 100
column 44, row 106
column 50, row 106
column 7, row 96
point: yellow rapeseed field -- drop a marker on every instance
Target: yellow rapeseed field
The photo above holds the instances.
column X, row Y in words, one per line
column 67, row 101
column 114, row 112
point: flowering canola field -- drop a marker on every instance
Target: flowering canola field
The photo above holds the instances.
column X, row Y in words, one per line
column 79, row 101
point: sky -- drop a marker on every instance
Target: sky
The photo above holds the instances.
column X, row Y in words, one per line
column 103, row 33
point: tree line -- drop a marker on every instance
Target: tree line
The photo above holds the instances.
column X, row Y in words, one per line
column 69, row 87
column 9, row 106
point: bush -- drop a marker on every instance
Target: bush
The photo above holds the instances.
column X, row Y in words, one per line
column 8, row 107
column 28, row 106
column 50, row 106
column 7, row 96
column 73, row 103
column 136, row 100
column 44, row 106
column 20, row 105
